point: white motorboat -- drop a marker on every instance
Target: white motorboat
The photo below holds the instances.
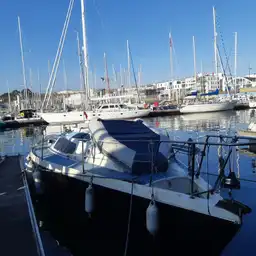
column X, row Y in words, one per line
column 117, row 111
column 127, row 178
column 104, row 111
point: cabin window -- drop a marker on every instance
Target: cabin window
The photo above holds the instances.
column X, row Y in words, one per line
column 104, row 107
column 123, row 106
column 112, row 106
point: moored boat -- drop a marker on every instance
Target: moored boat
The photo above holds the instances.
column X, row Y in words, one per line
column 136, row 194
column 203, row 107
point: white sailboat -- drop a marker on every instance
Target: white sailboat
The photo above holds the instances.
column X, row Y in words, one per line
column 113, row 163
column 208, row 106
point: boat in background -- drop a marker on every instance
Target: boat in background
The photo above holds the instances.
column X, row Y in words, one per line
column 201, row 107
column 250, row 132
column 204, row 105
column 164, row 108
column 104, row 111
column 26, row 117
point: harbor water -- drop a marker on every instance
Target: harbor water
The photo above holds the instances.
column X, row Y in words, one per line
column 182, row 128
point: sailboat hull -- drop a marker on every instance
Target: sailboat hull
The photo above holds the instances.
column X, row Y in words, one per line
column 209, row 107
column 106, row 229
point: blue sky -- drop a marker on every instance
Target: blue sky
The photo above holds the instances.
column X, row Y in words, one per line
column 146, row 23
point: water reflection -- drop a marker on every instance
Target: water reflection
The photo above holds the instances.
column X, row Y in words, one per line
column 18, row 141
column 202, row 122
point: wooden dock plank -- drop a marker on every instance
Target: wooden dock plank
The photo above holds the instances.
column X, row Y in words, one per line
column 16, row 233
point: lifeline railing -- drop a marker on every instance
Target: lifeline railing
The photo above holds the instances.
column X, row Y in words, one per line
column 190, row 148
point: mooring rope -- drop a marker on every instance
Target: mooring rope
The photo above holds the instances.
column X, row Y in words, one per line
column 129, row 222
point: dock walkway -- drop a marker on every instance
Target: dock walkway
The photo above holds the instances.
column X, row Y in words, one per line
column 16, row 232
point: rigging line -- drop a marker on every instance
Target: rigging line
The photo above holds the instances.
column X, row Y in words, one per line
column 99, row 14
column 129, row 221
column 56, row 56
column 221, row 61
column 62, row 42
column 134, row 74
column 223, row 45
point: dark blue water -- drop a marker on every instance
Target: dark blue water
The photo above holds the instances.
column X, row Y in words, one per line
column 181, row 128
column 226, row 123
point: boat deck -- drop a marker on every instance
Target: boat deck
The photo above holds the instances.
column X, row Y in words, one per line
column 16, row 233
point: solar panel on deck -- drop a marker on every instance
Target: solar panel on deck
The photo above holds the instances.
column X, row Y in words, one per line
column 65, row 146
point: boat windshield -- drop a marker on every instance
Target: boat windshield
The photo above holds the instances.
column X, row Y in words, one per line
column 65, row 146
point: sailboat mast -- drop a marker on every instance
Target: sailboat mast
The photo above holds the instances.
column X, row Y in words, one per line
column 114, row 73
column 82, row 83
column 171, row 62
column 121, row 75
column 95, row 78
column 194, row 55
column 128, row 63
column 106, row 72
column 215, row 43
column 31, row 82
column 235, row 60
column 139, row 76
column 39, row 83
column 85, row 50
column 9, row 97
column 23, row 63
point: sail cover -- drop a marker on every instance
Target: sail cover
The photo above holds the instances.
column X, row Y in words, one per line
column 131, row 143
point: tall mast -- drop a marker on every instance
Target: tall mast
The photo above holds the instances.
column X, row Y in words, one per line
column 215, row 42
column 139, row 76
column 9, row 97
column 129, row 63
column 106, row 72
column 85, row 50
column 194, row 55
column 95, row 78
column 235, row 60
column 23, row 63
column 114, row 73
column 121, row 75
column 31, row 82
column 39, row 83
column 171, row 62
column 82, row 83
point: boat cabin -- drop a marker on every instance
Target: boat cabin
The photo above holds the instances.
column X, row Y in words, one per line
column 27, row 113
